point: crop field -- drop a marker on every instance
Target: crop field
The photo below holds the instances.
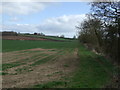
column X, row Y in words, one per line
column 21, row 38
column 36, row 37
column 52, row 64
column 15, row 45
column 49, row 37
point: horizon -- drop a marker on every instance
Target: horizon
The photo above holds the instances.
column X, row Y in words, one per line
column 50, row 18
column 38, row 33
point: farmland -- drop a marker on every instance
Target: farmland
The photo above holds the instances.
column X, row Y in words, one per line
column 52, row 64
column 13, row 45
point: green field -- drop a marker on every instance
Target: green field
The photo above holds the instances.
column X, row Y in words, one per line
column 93, row 71
column 14, row 45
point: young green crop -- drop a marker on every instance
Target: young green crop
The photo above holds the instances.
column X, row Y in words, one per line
column 15, row 45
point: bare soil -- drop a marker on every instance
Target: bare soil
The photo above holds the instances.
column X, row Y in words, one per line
column 9, row 57
column 21, row 38
column 52, row 70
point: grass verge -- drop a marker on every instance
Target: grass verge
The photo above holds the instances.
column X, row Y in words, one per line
column 91, row 73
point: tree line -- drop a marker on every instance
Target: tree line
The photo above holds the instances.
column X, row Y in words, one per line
column 101, row 29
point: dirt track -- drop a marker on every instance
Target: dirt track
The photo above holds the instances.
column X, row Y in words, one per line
column 60, row 65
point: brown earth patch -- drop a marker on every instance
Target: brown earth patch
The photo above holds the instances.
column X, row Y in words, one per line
column 21, row 38
column 27, row 64
column 52, row 70
column 27, row 38
column 9, row 57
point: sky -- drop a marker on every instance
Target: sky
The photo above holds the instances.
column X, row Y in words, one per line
column 50, row 18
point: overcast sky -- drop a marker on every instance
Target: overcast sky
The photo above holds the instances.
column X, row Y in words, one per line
column 50, row 18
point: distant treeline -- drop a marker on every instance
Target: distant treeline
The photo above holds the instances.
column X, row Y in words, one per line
column 8, row 33
column 12, row 33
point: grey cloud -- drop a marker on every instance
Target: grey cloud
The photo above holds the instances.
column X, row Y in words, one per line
column 61, row 25
column 53, row 26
